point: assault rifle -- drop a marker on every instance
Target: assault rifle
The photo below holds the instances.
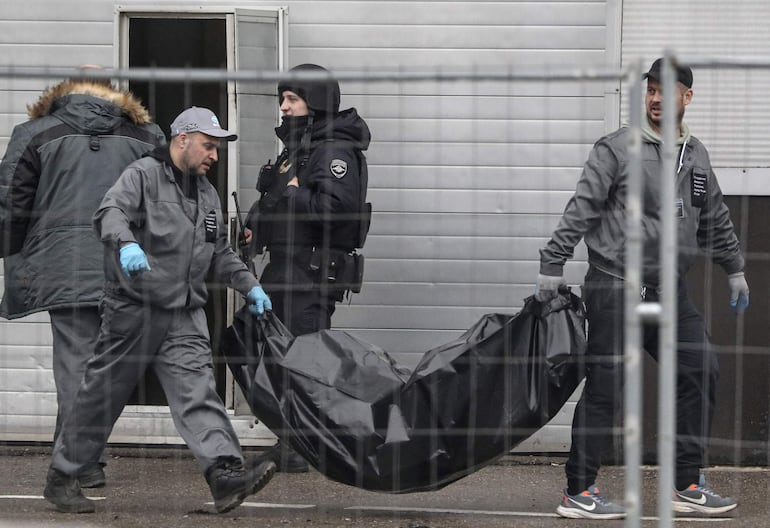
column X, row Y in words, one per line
column 243, row 246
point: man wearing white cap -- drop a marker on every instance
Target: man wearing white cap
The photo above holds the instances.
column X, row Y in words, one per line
column 162, row 228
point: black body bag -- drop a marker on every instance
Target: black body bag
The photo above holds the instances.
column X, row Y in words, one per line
column 361, row 419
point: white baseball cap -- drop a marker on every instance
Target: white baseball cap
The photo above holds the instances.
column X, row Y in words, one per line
column 198, row 119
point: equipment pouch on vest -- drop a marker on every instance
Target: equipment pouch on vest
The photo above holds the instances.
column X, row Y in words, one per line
column 271, row 189
column 357, row 274
column 265, row 178
column 342, row 269
column 350, row 274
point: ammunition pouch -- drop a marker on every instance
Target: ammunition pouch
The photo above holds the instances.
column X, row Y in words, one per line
column 339, row 270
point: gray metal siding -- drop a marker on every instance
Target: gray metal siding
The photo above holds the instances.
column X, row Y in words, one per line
column 467, row 178
column 730, row 111
column 38, row 34
column 256, row 49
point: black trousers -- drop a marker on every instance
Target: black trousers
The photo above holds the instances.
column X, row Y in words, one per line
column 301, row 300
column 697, row 374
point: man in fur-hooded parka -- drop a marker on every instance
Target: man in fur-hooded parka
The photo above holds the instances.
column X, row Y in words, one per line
column 58, row 165
column 80, row 136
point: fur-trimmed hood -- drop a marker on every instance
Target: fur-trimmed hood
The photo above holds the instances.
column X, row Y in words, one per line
column 53, row 98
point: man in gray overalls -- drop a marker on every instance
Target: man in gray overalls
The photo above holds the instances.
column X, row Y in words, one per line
column 163, row 231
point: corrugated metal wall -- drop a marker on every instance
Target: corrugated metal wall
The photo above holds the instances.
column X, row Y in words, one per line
column 458, row 169
column 730, row 111
column 467, row 178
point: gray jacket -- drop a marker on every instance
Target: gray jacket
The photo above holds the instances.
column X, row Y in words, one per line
column 597, row 210
column 182, row 238
column 53, row 176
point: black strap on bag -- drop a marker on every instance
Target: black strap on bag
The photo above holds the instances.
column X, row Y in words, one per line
column 354, row 263
column 365, row 214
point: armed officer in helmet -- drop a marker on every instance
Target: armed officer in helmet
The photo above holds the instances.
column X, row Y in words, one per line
column 312, row 206
column 312, row 212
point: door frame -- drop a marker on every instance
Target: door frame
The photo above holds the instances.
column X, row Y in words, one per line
column 123, row 13
column 148, row 424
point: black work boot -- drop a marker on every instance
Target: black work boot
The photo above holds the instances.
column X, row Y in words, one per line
column 92, row 477
column 63, row 491
column 230, row 482
column 287, row 460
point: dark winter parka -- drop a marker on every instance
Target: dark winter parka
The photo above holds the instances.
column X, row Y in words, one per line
column 55, row 172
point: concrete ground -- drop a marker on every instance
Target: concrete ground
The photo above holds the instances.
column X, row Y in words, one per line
column 164, row 488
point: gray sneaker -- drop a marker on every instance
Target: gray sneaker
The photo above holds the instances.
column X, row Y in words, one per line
column 700, row 498
column 589, row 504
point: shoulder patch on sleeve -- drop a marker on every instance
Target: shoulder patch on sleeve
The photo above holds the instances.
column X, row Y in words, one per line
column 338, row 167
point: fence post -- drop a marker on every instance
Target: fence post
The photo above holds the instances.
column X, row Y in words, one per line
column 633, row 316
column 668, row 283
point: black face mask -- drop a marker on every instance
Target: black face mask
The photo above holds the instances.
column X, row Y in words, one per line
column 292, row 129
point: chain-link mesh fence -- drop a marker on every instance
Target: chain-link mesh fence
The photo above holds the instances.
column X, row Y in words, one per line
column 469, row 173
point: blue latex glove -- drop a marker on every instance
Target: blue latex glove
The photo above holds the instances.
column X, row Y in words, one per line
column 258, row 301
column 547, row 287
column 739, row 292
column 133, row 260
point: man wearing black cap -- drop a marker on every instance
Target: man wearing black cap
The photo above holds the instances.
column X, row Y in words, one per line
column 597, row 214
column 162, row 229
column 312, row 212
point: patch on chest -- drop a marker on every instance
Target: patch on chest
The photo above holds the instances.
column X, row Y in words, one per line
column 699, row 187
column 210, row 223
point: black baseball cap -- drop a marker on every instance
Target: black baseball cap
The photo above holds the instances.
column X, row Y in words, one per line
column 683, row 73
